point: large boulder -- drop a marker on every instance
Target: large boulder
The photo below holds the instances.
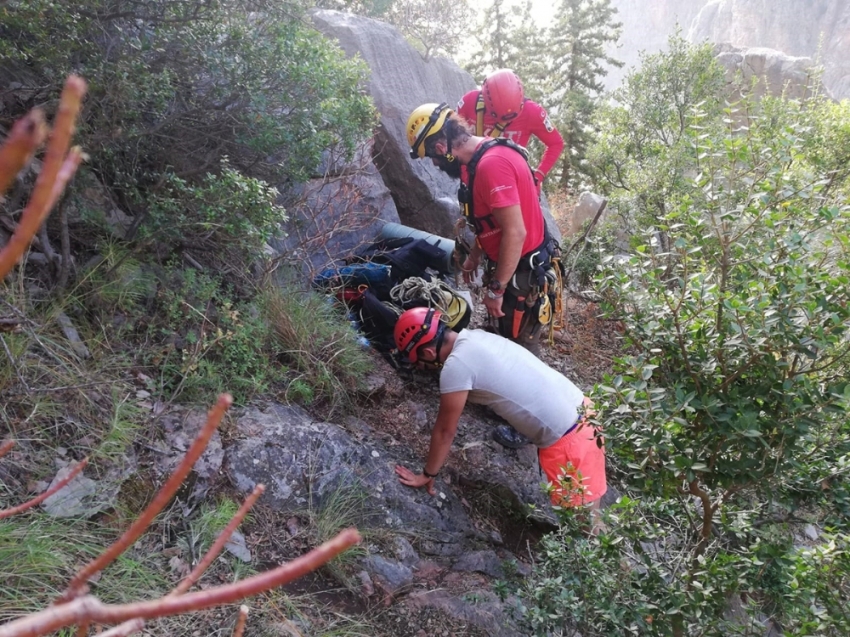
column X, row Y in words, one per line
column 400, row 81
column 331, row 216
column 313, row 465
column 773, row 72
column 799, row 28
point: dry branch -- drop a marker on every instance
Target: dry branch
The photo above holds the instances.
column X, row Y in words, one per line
column 41, row 498
column 162, row 498
column 219, row 543
column 58, row 167
column 27, row 134
column 90, row 609
column 240, row 623
column 6, row 447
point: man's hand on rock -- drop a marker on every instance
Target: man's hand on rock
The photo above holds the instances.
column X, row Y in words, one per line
column 415, row 480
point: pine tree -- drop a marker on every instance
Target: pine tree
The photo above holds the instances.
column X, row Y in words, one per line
column 494, row 41
column 527, row 56
column 577, row 52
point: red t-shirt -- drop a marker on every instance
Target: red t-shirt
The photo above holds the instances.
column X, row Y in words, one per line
column 503, row 179
column 532, row 120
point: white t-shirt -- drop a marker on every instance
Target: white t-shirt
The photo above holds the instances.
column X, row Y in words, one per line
column 536, row 400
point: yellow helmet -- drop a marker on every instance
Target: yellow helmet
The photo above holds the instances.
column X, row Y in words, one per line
column 423, row 122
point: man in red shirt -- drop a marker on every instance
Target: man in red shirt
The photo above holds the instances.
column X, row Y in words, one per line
column 505, row 213
column 500, row 109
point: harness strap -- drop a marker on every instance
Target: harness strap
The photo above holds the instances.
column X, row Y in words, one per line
column 464, row 193
column 498, row 129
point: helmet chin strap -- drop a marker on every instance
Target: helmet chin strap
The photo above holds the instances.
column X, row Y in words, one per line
column 449, row 134
column 441, row 334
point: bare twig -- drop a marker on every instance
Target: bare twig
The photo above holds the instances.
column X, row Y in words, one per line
column 59, row 166
column 162, row 498
column 41, row 498
column 27, row 134
column 240, row 623
column 89, row 608
column 219, row 543
column 125, row 629
column 6, row 447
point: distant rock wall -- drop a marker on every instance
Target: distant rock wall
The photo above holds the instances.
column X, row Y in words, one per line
column 818, row 29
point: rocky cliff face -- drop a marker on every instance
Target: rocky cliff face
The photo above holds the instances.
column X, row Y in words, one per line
column 819, row 29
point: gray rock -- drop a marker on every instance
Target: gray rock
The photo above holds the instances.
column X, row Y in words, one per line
column 586, row 208
column 180, row 428
column 486, row 562
column 481, row 608
column 393, row 575
column 308, row 464
column 774, row 72
column 811, row 532
column 404, row 551
column 237, row 547
column 366, row 584
column 75, row 500
column 333, row 215
column 800, row 28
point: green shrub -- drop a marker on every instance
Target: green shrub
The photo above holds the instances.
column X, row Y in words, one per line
column 176, row 86
column 205, row 341
column 226, row 212
column 317, row 341
column 641, row 577
column 727, row 413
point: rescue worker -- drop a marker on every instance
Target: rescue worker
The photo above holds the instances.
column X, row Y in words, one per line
column 484, row 368
column 501, row 205
column 500, row 109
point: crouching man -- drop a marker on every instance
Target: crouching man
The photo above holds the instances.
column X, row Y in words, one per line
column 535, row 399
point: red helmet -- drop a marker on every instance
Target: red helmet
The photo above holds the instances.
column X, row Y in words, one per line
column 416, row 327
column 503, row 95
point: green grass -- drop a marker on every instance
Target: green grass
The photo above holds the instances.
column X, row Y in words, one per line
column 39, row 554
column 317, row 342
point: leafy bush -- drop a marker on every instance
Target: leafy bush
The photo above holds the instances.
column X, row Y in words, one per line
column 738, row 333
column 641, row 578
column 643, row 153
column 206, row 342
column 727, row 414
column 226, row 212
column 176, row 86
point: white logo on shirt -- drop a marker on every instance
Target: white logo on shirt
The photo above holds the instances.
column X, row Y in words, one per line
column 500, row 188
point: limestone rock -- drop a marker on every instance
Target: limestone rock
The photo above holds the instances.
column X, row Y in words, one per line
column 775, row 73
column 331, row 216
column 392, row 575
column 309, row 464
column 482, row 609
column 816, row 29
